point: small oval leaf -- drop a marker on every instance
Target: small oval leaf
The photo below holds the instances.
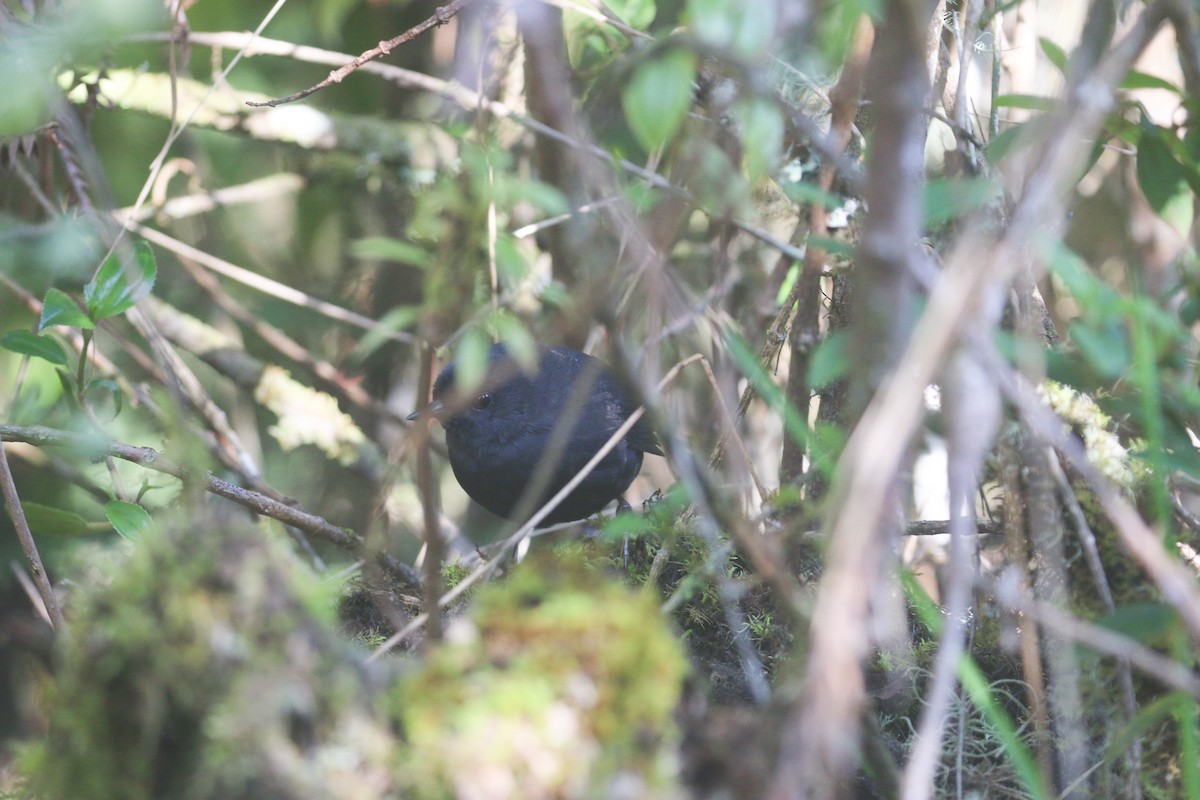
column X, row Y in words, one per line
column 115, row 290
column 32, row 344
column 129, row 519
column 59, row 309
column 658, row 97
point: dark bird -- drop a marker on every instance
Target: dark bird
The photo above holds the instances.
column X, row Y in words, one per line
column 522, row 432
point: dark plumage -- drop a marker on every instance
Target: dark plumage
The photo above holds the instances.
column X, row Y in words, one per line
column 498, row 438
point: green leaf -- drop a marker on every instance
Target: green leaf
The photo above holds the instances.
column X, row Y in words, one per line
column 104, row 387
column 397, row 319
column 129, row 519
column 949, row 198
column 762, row 130
column 471, row 361
column 1105, row 348
column 517, row 338
column 49, row 521
column 659, row 96
column 829, row 361
column 58, row 309
column 386, row 248
column 1006, row 142
column 744, row 28
column 1141, row 80
column 114, row 290
column 1031, row 102
column 1161, row 177
column 622, row 525
column 36, row 345
column 1148, row 623
column 834, row 247
column 1054, row 54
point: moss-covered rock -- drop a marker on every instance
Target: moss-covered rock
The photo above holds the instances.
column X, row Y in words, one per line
column 561, row 683
column 209, row 666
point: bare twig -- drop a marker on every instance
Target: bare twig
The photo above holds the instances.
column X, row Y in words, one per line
column 1166, row 671
column 266, row 285
column 150, row 458
column 441, row 16
column 8, row 488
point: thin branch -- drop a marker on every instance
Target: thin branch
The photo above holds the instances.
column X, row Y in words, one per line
column 150, row 458
column 471, row 101
column 267, row 286
column 440, row 17
column 1168, row 672
column 8, row 488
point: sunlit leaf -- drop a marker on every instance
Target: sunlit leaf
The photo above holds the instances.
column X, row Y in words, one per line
column 658, row 97
column 36, row 345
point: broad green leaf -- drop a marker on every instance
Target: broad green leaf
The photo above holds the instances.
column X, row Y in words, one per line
column 58, row 309
column 1054, row 54
column 1005, row 142
column 49, row 521
column 762, row 135
column 834, row 247
column 386, row 248
column 1105, row 348
column 517, row 339
column 1141, row 80
column 471, row 361
column 1149, row 623
column 1161, row 177
column 829, row 361
column 129, row 519
column 946, row 199
column 1027, row 101
column 28, row 343
column 658, row 97
column 113, row 290
column 744, row 28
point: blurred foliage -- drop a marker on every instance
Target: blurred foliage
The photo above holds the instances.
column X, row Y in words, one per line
column 447, row 213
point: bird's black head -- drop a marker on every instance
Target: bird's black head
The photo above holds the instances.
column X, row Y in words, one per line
column 497, row 410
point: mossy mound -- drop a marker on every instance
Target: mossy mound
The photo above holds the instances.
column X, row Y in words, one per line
column 561, row 683
column 208, row 667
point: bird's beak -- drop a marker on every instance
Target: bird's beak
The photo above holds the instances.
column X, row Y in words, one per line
column 435, row 409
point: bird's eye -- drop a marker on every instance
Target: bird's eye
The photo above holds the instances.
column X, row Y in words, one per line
column 483, row 401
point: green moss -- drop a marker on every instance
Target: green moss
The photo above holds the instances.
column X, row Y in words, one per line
column 208, row 667
column 562, row 683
